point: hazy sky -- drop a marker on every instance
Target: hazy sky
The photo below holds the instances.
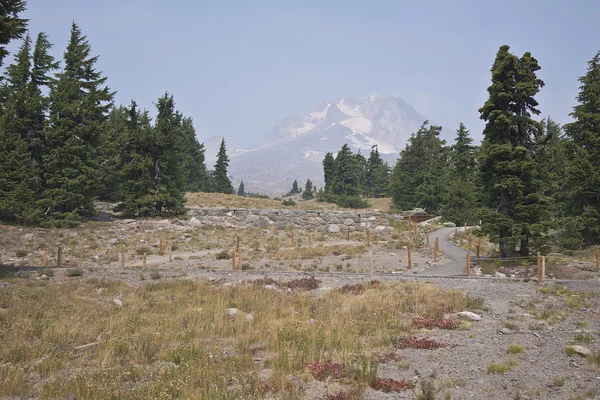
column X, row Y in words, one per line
column 237, row 67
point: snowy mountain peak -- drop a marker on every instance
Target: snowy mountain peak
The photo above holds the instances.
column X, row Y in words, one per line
column 295, row 147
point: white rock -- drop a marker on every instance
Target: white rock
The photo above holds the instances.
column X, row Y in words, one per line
column 127, row 221
column 499, row 275
column 194, row 222
column 334, row 228
column 250, row 317
column 232, row 311
column 582, row 351
column 380, row 228
column 44, row 277
column 118, row 302
column 28, row 236
column 164, row 222
column 469, row 315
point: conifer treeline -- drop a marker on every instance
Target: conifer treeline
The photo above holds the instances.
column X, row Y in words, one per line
column 527, row 179
column 63, row 144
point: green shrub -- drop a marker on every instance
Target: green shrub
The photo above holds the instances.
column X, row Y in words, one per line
column 223, row 255
column 155, row 275
column 74, row 272
column 21, row 253
column 287, row 202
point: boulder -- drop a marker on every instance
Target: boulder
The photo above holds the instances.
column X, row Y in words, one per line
column 250, row 219
column 499, row 275
column 194, row 222
column 469, row 315
column 349, row 222
column 582, row 351
column 334, row 228
column 28, row 236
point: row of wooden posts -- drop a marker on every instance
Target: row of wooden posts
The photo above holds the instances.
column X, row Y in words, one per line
column 541, row 260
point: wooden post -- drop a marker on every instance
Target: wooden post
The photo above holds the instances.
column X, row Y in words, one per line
column 309, row 243
column 45, row 258
column 368, row 237
column 122, row 257
column 539, row 260
column 598, row 260
column 160, row 248
column 348, row 234
column 293, row 238
column 144, row 260
column 240, row 259
column 233, row 260
column 468, row 264
column 238, row 243
column 409, row 259
column 478, row 247
column 59, row 257
column 543, row 268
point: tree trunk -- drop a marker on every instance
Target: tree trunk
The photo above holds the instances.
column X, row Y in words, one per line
column 524, row 248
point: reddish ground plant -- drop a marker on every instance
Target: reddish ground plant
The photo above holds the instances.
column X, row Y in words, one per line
column 326, row 369
column 304, row 283
column 417, row 343
column 428, row 323
column 338, row 396
column 388, row 385
column 374, row 283
column 353, row 289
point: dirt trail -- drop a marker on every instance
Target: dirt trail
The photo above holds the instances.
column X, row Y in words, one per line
column 457, row 263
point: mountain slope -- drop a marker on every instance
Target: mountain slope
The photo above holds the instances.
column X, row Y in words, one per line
column 295, row 147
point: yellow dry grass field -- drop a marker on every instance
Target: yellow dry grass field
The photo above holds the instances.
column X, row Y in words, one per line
column 91, row 339
column 205, row 200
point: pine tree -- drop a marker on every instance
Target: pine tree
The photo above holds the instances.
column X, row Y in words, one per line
column 18, row 173
column 11, row 26
column 347, row 173
column 193, row 166
column 460, row 201
column 110, row 157
column 166, row 147
column 377, row 177
column 42, row 65
column 583, row 166
column 295, row 188
column 308, row 190
column 137, row 189
column 220, row 178
column 517, row 211
column 329, row 172
column 418, row 177
column 79, row 104
column 241, row 191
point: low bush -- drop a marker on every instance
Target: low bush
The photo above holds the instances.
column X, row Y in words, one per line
column 74, row 272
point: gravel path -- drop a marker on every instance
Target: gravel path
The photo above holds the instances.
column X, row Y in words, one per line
column 457, row 255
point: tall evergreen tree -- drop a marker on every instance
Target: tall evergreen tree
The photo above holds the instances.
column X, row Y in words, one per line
column 517, row 211
column 295, row 188
column 377, row 177
column 43, row 64
column 583, row 167
column 347, row 173
column 460, row 200
column 241, row 190
column 110, row 156
column 418, row 177
column 329, row 172
column 193, row 166
column 79, row 104
column 11, row 25
column 220, row 178
column 18, row 173
column 308, row 190
column 137, row 191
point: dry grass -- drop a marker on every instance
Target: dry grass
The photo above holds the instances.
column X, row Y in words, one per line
column 233, row 201
column 165, row 340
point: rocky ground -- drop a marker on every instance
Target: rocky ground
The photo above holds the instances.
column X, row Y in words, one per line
column 540, row 335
